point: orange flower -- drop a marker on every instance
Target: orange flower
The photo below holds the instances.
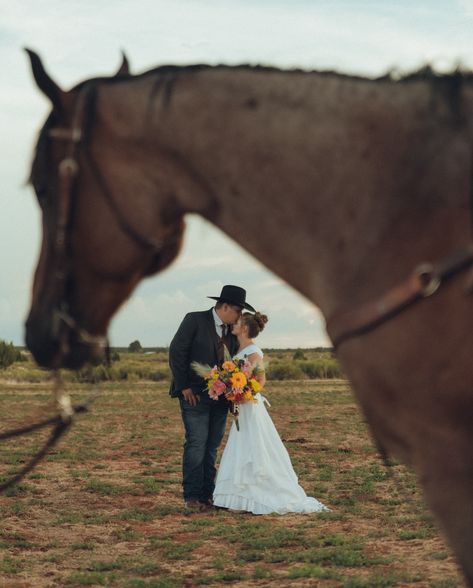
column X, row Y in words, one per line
column 229, row 366
column 238, row 380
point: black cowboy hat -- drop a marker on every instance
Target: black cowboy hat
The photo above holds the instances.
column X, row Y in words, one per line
column 233, row 295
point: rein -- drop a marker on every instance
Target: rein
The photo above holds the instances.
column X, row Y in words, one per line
column 60, row 422
column 426, row 279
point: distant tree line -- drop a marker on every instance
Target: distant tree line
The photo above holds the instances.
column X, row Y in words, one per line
column 136, row 362
column 9, row 354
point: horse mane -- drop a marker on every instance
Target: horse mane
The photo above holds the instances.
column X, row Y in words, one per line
column 449, row 84
column 424, row 73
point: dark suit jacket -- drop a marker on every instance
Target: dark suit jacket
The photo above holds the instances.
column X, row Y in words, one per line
column 195, row 340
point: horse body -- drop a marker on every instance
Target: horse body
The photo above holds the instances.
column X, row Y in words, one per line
column 247, row 140
column 340, row 185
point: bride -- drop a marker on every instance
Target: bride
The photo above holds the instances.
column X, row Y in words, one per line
column 255, row 473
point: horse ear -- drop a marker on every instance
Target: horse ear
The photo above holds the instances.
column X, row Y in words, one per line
column 44, row 82
column 124, row 69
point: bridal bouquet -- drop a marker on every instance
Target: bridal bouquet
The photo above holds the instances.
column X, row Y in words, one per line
column 235, row 379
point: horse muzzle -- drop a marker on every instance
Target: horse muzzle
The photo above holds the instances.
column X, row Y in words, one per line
column 57, row 341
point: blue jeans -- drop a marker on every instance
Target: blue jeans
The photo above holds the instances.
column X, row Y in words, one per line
column 205, row 427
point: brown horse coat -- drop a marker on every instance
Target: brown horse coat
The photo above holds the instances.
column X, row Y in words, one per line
column 340, row 185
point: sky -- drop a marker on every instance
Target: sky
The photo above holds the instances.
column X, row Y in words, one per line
column 82, row 39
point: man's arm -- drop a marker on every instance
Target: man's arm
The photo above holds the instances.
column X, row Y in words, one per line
column 179, row 357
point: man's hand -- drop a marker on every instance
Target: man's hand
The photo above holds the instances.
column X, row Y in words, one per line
column 190, row 397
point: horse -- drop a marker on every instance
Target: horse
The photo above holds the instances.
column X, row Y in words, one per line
column 356, row 191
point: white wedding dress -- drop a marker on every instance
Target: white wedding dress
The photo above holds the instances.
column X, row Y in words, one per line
column 255, row 473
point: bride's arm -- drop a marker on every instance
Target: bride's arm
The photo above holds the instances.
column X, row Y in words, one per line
column 256, row 359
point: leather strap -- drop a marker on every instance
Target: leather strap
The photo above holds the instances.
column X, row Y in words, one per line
column 422, row 283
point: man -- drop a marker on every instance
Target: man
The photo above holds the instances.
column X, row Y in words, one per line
column 201, row 337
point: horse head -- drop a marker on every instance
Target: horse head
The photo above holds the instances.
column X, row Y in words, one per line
column 99, row 237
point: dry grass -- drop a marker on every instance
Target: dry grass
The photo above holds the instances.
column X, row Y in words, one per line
column 105, row 508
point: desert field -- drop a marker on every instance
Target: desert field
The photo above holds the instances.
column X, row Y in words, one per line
column 105, row 508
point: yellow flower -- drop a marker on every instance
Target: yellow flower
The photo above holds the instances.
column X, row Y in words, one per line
column 248, row 395
column 255, row 385
column 238, row 380
column 228, row 365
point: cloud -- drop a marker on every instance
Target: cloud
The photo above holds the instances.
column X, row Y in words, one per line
column 467, row 7
column 154, row 312
column 154, row 318
column 79, row 40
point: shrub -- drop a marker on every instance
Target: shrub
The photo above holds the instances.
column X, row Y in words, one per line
column 120, row 374
column 135, row 347
column 160, row 375
column 321, row 368
column 334, row 370
column 8, row 354
column 284, row 370
column 92, row 374
column 299, row 354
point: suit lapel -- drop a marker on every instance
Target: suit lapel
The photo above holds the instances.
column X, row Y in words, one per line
column 214, row 337
column 212, row 332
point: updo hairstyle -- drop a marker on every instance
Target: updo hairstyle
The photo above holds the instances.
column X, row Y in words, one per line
column 254, row 322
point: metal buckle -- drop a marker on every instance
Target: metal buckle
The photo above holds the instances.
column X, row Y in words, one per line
column 428, row 279
column 68, row 166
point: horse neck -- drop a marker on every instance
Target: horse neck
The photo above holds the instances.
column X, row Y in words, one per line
column 336, row 184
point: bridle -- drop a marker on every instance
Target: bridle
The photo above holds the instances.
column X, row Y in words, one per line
column 68, row 171
column 424, row 282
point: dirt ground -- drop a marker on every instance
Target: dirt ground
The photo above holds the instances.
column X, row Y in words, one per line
column 105, row 507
